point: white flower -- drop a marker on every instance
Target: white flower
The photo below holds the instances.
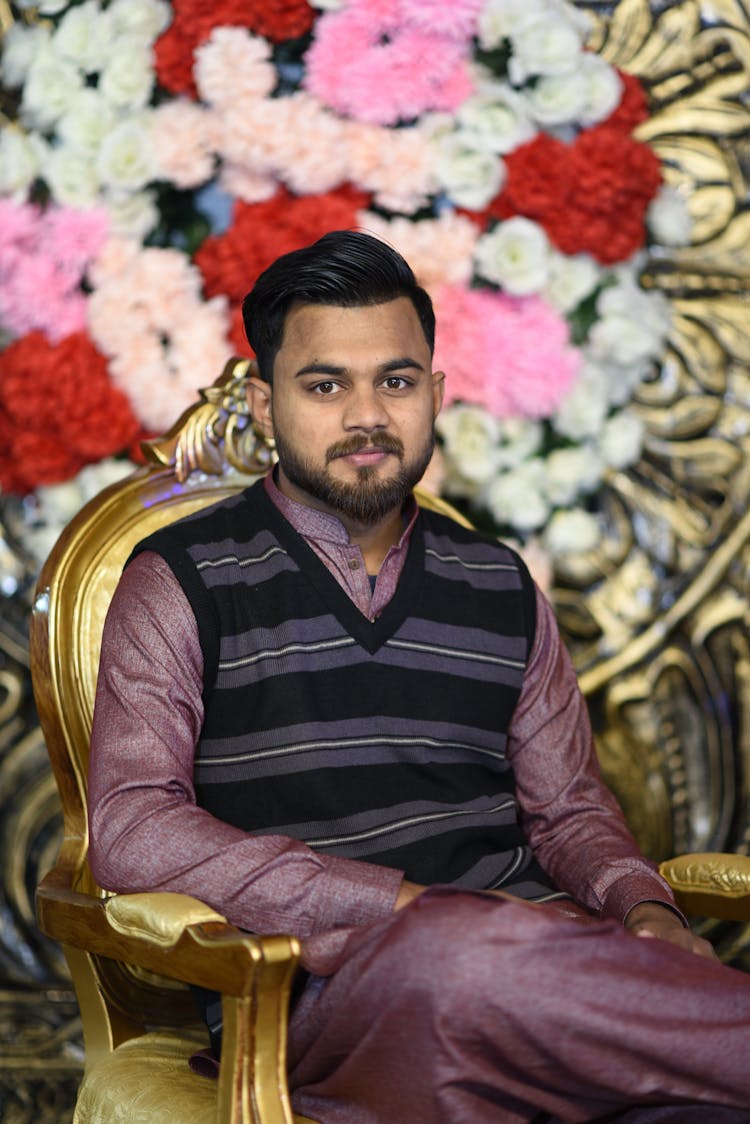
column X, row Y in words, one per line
column 19, row 161
column 557, row 99
column 668, row 218
column 495, row 119
column 45, row 7
column 520, row 438
column 571, row 532
column 501, row 19
column 87, row 121
column 127, row 80
column 71, row 177
column 84, row 35
column 515, row 255
column 517, row 497
column 131, row 214
column 51, row 84
column 622, row 440
column 143, row 18
column 126, row 158
column 468, row 175
column 20, row 47
column 603, row 88
column 549, row 44
column 632, row 327
column 470, row 435
column 584, row 407
column 571, row 472
column 570, row 280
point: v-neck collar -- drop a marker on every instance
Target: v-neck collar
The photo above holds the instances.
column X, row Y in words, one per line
column 371, row 635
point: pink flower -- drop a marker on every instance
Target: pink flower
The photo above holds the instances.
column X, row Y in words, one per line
column 511, row 355
column 440, row 251
column 397, row 165
column 233, row 65
column 181, row 136
column 19, row 222
column 44, row 256
column 457, row 20
column 164, row 341
column 73, row 238
column 369, row 62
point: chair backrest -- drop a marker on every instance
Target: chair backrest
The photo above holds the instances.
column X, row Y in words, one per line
column 211, row 452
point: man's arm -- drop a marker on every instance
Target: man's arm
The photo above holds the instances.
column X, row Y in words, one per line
column 147, row 833
column 571, row 819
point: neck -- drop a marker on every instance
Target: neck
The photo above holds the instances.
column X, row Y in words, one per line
column 375, row 541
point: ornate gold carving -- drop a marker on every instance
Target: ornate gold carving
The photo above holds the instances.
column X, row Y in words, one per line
column 216, row 436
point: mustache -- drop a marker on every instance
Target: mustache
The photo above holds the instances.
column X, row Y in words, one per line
column 385, row 442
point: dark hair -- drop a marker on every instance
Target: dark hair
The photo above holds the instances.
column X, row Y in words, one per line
column 342, row 268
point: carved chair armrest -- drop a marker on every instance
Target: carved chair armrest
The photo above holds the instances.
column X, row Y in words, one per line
column 180, row 937
column 173, row 942
column 711, row 884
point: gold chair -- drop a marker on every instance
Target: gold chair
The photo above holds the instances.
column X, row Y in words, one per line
column 128, row 953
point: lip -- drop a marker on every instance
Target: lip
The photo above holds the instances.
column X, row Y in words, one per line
column 366, row 457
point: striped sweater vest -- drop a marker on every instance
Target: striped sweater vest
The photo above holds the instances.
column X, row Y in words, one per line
column 383, row 740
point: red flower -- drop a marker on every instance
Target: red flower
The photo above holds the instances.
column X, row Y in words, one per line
column 237, row 337
column 59, row 411
column 590, row 197
column 194, row 20
column 633, row 107
column 260, row 232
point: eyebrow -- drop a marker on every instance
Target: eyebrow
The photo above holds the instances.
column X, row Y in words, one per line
column 404, row 361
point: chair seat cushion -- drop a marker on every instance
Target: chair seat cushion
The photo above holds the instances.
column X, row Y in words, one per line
column 148, row 1079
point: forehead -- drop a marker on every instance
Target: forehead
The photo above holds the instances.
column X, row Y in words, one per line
column 323, row 328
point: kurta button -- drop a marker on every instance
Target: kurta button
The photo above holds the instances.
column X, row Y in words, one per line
column 353, row 564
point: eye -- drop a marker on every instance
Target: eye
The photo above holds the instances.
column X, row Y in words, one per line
column 396, row 382
column 326, row 388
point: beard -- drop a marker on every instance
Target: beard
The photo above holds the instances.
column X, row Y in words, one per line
column 367, row 500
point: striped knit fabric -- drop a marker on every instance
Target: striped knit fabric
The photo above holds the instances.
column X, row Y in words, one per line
column 380, row 740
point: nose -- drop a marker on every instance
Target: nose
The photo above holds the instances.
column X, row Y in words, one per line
column 365, row 410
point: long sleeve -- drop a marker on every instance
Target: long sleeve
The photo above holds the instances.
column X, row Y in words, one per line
column 147, row 833
column 570, row 818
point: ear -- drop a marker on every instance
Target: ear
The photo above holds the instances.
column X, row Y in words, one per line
column 259, row 399
column 438, row 391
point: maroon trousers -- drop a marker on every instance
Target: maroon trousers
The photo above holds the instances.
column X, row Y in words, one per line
column 465, row 1009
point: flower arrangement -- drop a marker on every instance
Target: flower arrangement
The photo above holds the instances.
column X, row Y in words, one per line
column 155, row 157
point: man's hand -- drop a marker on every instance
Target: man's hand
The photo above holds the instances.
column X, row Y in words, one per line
column 649, row 919
column 408, row 891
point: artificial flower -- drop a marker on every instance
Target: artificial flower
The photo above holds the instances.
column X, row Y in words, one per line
column 511, row 355
column 60, row 411
column 362, row 64
column 571, row 532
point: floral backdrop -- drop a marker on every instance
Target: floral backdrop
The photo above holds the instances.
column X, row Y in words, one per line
column 155, row 157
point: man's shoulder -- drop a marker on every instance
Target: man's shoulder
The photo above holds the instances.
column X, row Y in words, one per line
column 438, row 527
column 226, row 516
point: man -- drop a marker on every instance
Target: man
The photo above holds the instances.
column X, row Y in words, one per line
column 325, row 712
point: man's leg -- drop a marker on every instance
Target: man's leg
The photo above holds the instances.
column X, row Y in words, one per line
column 465, row 1008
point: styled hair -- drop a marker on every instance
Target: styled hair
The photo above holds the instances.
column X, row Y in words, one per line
column 343, row 268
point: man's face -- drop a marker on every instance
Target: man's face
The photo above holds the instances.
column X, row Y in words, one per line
column 352, row 407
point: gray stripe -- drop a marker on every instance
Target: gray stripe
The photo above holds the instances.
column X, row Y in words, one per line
column 493, row 869
column 456, row 653
column 286, row 650
column 443, row 665
column 337, row 754
column 454, row 558
column 372, row 825
column 497, row 580
column 307, row 630
column 463, row 638
column 384, row 726
column 235, row 560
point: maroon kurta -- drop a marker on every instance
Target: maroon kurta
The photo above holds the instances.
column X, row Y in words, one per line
column 423, row 999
